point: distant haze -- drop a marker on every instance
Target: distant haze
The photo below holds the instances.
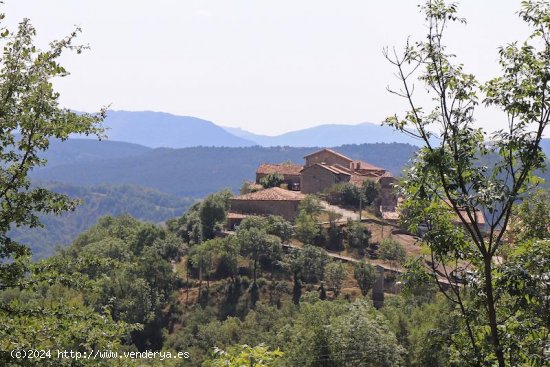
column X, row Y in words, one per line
column 268, row 67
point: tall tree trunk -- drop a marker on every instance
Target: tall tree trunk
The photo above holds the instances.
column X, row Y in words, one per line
column 491, row 311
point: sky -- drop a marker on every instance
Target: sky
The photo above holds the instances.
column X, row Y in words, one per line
column 267, row 66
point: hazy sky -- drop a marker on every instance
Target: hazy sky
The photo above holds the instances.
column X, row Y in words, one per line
column 268, row 66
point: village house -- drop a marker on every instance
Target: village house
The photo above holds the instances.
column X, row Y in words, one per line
column 289, row 171
column 327, row 167
column 322, row 169
column 272, row 201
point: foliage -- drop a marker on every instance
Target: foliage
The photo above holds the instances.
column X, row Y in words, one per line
column 346, row 193
column 335, row 274
column 523, row 285
column 310, row 205
column 96, row 202
column 201, row 221
column 306, row 229
column 272, row 180
column 531, row 218
column 338, row 334
column 128, row 263
column 417, row 282
column 258, row 245
column 392, row 250
column 358, row 236
column 452, row 176
column 30, row 117
column 365, row 275
column 244, row 355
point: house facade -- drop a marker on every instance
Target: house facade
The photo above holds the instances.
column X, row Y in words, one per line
column 327, row 167
column 272, row 201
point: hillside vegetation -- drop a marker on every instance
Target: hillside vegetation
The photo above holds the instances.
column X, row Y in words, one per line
column 97, row 201
column 199, row 171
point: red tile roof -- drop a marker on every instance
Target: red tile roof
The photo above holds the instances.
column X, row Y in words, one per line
column 272, row 194
column 330, row 151
column 283, row 168
column 232, row 215
column 366, row 166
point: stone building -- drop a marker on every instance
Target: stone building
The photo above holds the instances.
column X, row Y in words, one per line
column 289, row 171
column 326, row 167
column 272, row 201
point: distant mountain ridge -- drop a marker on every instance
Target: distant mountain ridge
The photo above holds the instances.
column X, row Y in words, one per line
column 329, row 135
column 164, row 130
column 198, row 171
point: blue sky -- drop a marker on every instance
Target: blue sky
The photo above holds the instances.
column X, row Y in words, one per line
column 267, row 66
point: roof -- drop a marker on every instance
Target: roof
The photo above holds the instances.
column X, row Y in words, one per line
column 272, row 194
column 283, row 168
column 331, row 152
column 232, row 215
column 336, row 169
column 368, row 166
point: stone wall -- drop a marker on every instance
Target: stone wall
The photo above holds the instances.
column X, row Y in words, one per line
column 317, row 179
column 326, row 157
column 287, row 209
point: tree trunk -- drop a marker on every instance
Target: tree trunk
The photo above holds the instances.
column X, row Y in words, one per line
column 491, row 312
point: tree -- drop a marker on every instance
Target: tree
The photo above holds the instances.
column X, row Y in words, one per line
column 371, row 191
column 212, row 212
column 365, row 275
column 313, row 261
column 307, row 228
column 272, row 180
column 244, row 355
column 459, row 172
column 311, row 205
column 392, row 250
column 358, row 236
column 531, row 218
column 257, row 244
column 30, row 118
column 278, row 226
column 335, row 274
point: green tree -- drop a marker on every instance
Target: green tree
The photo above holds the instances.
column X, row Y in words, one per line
column 392, row 250
column 460, row 173
column 335, row 274
column 213, row 211
column 531, row 218
column 311, row 205
column 257, row 244
column 371, row 191
column 306, row 229
column 30, row 118
column 365, row 275
column 272, row 180
column 358, row 236
column 244, row 356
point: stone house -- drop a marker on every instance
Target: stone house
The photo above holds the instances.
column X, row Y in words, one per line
column 289, row 171
column 272, row 201
column 326, row 167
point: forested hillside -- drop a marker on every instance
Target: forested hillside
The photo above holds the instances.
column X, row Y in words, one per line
column 97, row 201
column 199, row 171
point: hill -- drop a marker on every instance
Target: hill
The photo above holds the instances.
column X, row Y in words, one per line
column 159, row 129
column 87, row 150
column 98, row 201
column 329, row 135
column 198, row 171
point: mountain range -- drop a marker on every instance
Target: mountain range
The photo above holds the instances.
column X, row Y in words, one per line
column 194, row 171
column 164, row 130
